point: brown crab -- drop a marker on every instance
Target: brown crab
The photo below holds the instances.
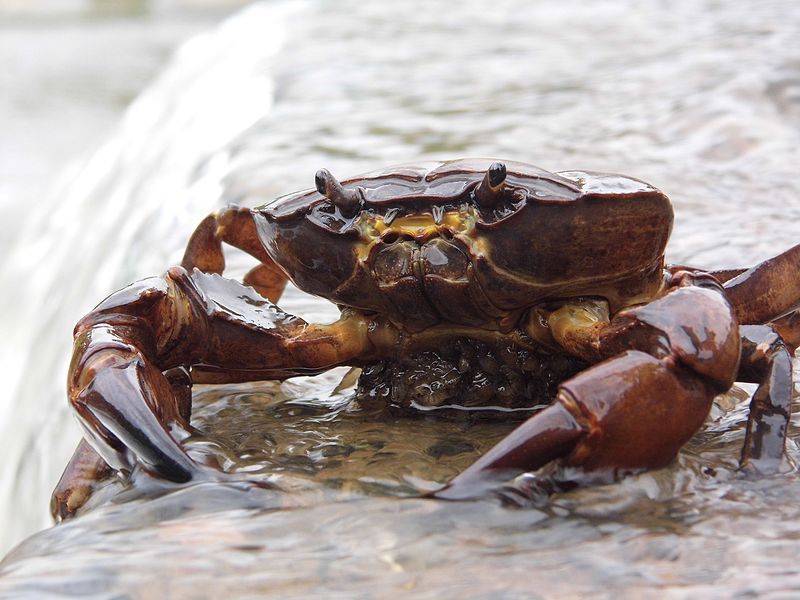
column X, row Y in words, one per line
column 503, row 255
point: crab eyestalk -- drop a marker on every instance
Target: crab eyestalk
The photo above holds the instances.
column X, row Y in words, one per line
column 347, row 201
column 489, row 191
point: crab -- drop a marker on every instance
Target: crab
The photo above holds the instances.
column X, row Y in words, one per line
column 556, row 268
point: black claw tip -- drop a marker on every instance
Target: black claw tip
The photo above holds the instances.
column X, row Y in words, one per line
column 497, row 174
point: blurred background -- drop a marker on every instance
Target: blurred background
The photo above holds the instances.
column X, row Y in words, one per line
column 123, row 123
column 71, row 68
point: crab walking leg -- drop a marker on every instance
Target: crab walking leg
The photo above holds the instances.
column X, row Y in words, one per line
column 766, row 291
column 117, row 385
column 788, row 327
column 234, row 226
column 630, row 412
column 766, row 361
column 85, row 468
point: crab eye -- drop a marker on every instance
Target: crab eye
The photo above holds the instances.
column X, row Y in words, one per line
column 347, row 201
column 320, row 178
column 490, row 189
column 496, row 174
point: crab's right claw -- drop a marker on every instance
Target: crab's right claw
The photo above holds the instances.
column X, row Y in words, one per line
column 631, row 412
column 550, row 434
column 626, row 415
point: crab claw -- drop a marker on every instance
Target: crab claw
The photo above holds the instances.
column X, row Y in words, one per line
column 631, row 412
column 623, row 416
column 490, row 189
column 347, row 201
column 549, row 435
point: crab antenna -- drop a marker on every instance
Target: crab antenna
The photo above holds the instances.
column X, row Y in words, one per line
column 490, row 189
column 347, row 201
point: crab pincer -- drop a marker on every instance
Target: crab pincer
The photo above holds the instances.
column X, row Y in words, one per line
column 661, row 365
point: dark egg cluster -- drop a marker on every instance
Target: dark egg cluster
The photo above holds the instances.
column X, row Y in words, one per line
column 466, row 373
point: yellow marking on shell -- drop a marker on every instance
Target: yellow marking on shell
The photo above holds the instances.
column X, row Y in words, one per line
column 419, row 226
column 414, row 222
column 480, row 247
column 578, row 315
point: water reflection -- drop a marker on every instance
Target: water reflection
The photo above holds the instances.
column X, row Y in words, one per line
column 331, row 524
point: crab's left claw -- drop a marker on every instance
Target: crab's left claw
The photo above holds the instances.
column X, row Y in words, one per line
column 630, row 412
column 129, row 380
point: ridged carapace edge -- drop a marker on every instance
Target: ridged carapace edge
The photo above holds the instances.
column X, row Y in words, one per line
column 416, row 186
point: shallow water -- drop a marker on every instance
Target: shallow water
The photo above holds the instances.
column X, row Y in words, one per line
column 699, row 98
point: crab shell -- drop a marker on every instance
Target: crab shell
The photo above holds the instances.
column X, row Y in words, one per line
column 423, row 245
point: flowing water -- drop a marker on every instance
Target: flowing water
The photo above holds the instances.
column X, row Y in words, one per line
column 701, row 99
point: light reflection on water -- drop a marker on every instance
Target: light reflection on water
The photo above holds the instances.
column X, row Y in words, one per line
column 698, row 98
